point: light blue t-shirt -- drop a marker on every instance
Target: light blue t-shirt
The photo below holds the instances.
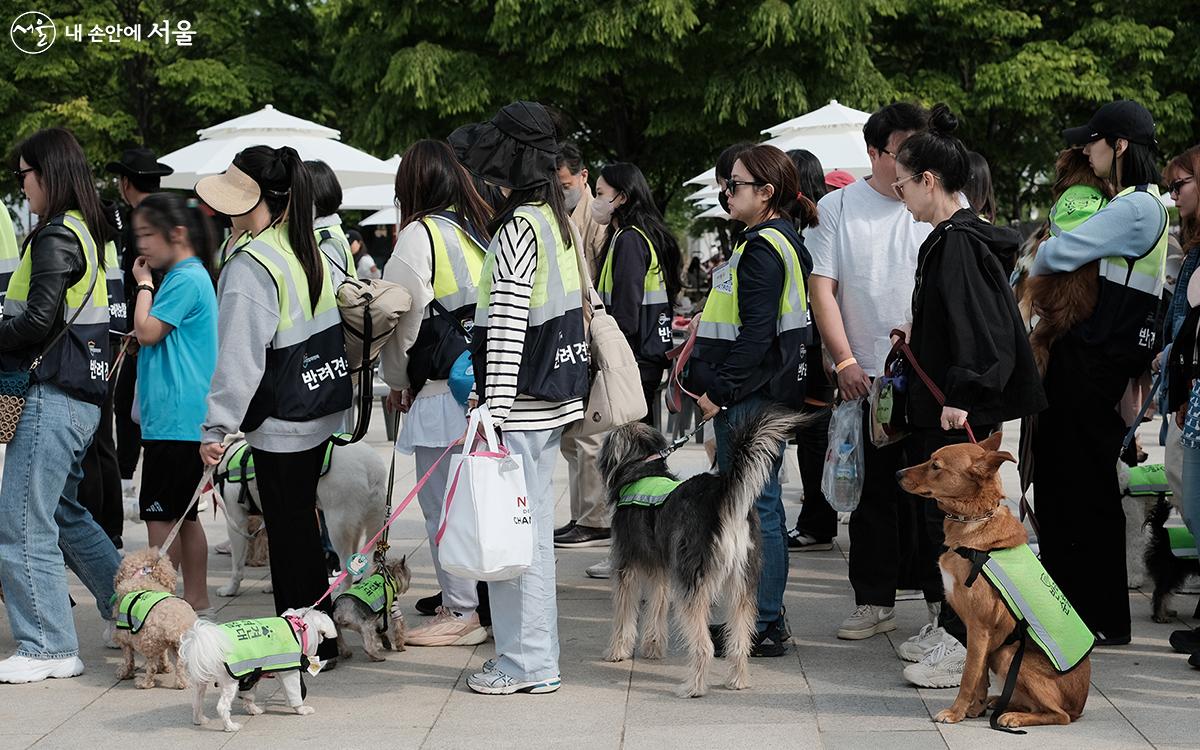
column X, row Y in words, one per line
column 174, row 375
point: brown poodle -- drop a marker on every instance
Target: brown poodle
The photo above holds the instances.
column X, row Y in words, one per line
column 157, row 639
column 964, row 480
column 1060, row 300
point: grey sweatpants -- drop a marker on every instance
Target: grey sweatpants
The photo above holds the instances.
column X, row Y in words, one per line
column 459, row 594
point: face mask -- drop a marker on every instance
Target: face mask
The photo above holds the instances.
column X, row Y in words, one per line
column 602, row 211
column 571, row 197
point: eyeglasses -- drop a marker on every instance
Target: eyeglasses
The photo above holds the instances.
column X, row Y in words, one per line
column 885, row 151
column 20, row 175
column 1175, row 186
column 731, row 186
column 898, row 185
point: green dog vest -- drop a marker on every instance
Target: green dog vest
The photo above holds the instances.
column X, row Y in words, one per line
column 136, row 606
column 1036, row 602
column 1183, row 544
column 647, row 492
column 377, row 591
column 267, row 644
column 1148, row 480
column 241, row 461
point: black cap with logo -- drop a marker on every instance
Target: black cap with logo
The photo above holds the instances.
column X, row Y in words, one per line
column 1120, row 119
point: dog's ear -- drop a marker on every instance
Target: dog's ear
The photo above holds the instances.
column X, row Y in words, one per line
column 322, row 622
column 992, row 442
column 990, row 462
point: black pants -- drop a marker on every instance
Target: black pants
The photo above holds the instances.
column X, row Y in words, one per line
column 129, row 434
column 817, row 518
column 100, row 488
column 875, row 538
column 1076, row 496
column 651, row 380
column 287, row 487
column 927, row 522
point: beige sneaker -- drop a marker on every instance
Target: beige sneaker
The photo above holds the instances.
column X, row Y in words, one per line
column 448, row 629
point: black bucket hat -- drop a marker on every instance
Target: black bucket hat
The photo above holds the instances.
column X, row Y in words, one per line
column 139, row 162
column 516, row 149
column 1120, row 119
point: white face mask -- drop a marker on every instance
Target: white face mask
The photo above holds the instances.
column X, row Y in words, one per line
column 602, row 211
column 571, row 197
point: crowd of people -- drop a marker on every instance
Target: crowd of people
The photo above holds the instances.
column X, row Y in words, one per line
column 502, row 231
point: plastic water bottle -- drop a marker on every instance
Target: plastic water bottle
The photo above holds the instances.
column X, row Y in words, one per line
column 846, row 470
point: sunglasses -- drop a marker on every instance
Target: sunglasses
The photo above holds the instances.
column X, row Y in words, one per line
column 898, row 185
column 1175, row 186
column 731, row 186
column 20, row 175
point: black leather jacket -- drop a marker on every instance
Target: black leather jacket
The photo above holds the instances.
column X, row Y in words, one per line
column 57, row 264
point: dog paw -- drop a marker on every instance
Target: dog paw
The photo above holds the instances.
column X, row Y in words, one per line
column 376, row 657
column 229, row 589
column 200, row 720
column 949, row 716
column 977, row 709
column 1010, row 720
column 691, row 690
column 611, row 655
column 123, row 673
column 144, row 684
column 653, row 650
column 181, row 683
column 739, row 682
column 305, row 710
column 232, row 726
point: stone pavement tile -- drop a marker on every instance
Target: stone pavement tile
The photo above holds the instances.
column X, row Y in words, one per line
column 736, row 734
column 1100, row 728
column 19, row 741
column 926, row 739
column 373, row 730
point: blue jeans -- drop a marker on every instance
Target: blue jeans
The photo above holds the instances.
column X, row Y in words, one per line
column 42, row 524
column 771, row 519
column 1189, row 502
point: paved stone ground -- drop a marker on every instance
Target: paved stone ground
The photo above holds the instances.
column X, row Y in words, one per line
column 825, row 693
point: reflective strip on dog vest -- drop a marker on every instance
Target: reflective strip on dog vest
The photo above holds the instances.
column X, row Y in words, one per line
column 136, row 606
column 1148, row 480
column 267, row 644
column 1036, row 602
column 377, row 591
column 648, row 492
column 1183, row 544
column 241, row 461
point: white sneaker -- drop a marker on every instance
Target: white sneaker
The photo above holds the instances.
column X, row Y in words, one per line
column 866, row 621
column 602, row 569
column 915, row 648
column 942, row 667
column 19, row 669
column 498, row 683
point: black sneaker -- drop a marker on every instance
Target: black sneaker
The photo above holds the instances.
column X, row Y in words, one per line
column 429, row 605
column 584, row 536
column 1194, row 660
column 564, row 529
column 798, row 540
column 769, row 643
column 1186, row 641
column 1112, row 640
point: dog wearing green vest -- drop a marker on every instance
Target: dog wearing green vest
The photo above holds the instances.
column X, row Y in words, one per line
column 1142, row 488
column 1170, row 560
column 237, row 654
column 1019, row 623
column 371, row 607
column 681, row 545
column 150, row 619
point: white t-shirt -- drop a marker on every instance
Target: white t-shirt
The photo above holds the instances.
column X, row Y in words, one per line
column 868, row 243
column 366, row 267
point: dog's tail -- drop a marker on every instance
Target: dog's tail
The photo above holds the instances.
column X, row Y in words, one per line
column 756, row 445
column 202, row 649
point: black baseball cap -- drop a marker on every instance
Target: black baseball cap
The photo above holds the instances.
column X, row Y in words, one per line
column 1120, row 119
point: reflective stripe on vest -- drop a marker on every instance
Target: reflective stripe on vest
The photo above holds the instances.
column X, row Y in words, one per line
column 1148, row 480
column 654, row 289
column 1183, row 544
column 647, row 492
column 377, row 591
column 267, row 644
column 10, row 252
column 335, row 247
column 457, row 261
column 721, row 319
column 1033, row 598
column 135, row 608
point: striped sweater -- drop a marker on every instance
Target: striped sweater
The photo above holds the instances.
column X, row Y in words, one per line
column 507, row 322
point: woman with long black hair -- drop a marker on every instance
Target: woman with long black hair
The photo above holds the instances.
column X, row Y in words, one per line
column 530, row 367
column 438, row 256
column 281, row 375
column 55, row 329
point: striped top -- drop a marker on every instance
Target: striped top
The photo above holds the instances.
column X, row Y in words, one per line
column 507, row 322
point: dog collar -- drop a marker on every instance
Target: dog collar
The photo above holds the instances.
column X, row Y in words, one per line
column 971, row 519
column 300, row 628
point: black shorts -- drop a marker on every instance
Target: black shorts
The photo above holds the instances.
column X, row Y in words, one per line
column 171, row 469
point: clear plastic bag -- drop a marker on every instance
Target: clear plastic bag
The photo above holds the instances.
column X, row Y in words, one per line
column 842, row 477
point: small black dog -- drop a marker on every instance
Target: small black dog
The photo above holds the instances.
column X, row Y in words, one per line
column 688, row 542
column 1167, row 570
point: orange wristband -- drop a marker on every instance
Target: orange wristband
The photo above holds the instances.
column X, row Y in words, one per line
column 844, row 364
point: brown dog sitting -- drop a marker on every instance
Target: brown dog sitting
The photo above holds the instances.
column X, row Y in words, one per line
column 1015, row 614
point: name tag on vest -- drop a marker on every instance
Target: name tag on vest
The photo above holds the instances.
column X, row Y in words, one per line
column 722, row 279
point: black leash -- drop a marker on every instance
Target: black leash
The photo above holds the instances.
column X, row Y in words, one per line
column 680, row 442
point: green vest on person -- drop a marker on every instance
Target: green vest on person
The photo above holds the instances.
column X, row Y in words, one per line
column 377, row 591
column 647, row 492
column 554, row 365
column 335, row 247
column 1034, row 599
column 1148, row 480
column 135, row 608
column 653, row 339
column 1183, row 543
column 721, row 322
column 267, row 644
column 241, row 461
column 79, row 362
column 10, row 252
column 307, row 376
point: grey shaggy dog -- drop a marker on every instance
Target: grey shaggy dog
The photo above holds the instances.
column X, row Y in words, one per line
column 702, row 540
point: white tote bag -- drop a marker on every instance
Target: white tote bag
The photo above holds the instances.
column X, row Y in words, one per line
column 486, row 530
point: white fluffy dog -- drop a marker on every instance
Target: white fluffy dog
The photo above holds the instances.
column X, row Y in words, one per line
column 206, row 648
column 353, row 496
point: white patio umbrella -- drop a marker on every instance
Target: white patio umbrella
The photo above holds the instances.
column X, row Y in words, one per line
column 373, row 197
column 214, row 152
column 383, row 216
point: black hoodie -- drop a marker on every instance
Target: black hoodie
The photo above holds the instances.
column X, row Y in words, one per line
column 967, row 332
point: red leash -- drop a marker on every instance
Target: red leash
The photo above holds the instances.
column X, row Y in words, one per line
column 936, row 392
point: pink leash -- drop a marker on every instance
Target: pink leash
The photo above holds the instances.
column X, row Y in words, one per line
column 502, row 453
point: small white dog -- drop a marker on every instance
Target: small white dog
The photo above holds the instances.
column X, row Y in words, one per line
column 352, row 494
column 249, row 649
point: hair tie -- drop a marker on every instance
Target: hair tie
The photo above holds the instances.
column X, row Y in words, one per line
column 799, row 195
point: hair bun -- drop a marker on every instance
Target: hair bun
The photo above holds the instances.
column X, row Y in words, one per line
column 942, row 121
